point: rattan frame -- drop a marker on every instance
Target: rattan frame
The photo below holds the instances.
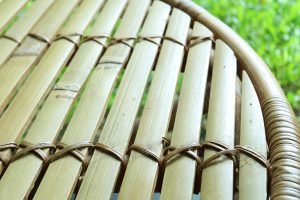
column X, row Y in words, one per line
column 282, row 128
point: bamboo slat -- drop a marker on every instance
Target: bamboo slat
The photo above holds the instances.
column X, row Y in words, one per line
column 218, row 177
column 119, row 123
column 16, row 69
column 252, row 175
column 57, row 184
column 188, row 118
column 14, row 36
column 21, row 110
column 51, row 117
column 142, row 172
column 8, row 9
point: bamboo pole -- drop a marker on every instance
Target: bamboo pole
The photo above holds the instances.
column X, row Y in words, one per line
column 188, row 118
column 217, row 178
column 141, row 173
column 119, row 123
column 17, row 68
column 15, row 35
column 52, row 115
column 8, row 9
column 252, row 175
column 21, row 110
column 56, row 184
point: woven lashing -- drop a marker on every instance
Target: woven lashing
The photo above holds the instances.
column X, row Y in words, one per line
column 138, row 97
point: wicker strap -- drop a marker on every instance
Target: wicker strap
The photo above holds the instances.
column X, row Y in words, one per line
column 3, row 157
column 146, row 152
column 10, row 38
column 95, row 38
column 68, row 37
column 33, row 148
column 110, row 151
column 73, row 150
column 39, row 37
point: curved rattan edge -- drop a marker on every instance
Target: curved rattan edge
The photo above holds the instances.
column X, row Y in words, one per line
column 270, row 96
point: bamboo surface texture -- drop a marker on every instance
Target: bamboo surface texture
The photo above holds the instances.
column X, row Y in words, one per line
column 20, row 64
column 51, row 117
column 217, row 179
column 142, row 172
column 15, row 35
column 138, row 99
column 188, row 120
column 91, row 109
column 9, row 9
column 35, row 88
column 252, row 136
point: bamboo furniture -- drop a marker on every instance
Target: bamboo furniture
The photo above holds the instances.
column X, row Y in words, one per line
column 106, row 99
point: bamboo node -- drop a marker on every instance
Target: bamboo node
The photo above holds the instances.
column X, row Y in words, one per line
column 73, row 150
column 70, row 88
column 37, row 149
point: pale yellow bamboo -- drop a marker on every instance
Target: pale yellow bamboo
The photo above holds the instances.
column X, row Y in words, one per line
column 217, row 178
column 252, row 175
column 21, row 28
column 141, row 173
column 16, row 69
column 57, row 184
column 51, row 117
column 8, row 9
column 119, row 123
column 188, row 119
column 21, row 110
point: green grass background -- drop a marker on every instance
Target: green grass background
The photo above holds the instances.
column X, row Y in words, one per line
column 272, row 28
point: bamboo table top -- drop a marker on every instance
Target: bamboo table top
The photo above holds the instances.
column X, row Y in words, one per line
column 126, row 99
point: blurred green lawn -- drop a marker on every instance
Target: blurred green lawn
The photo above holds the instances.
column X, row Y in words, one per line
column 272, row 28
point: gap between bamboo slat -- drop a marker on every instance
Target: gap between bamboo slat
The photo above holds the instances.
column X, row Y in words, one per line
column 252, row 175
column 187, row 127
column 21, row 28
column 56, row 184
column 18, row 67
column 141, row 172
column 218, row 178
column 8, row 9
column 119, row 123
column 21, row 110
column 52, row 115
